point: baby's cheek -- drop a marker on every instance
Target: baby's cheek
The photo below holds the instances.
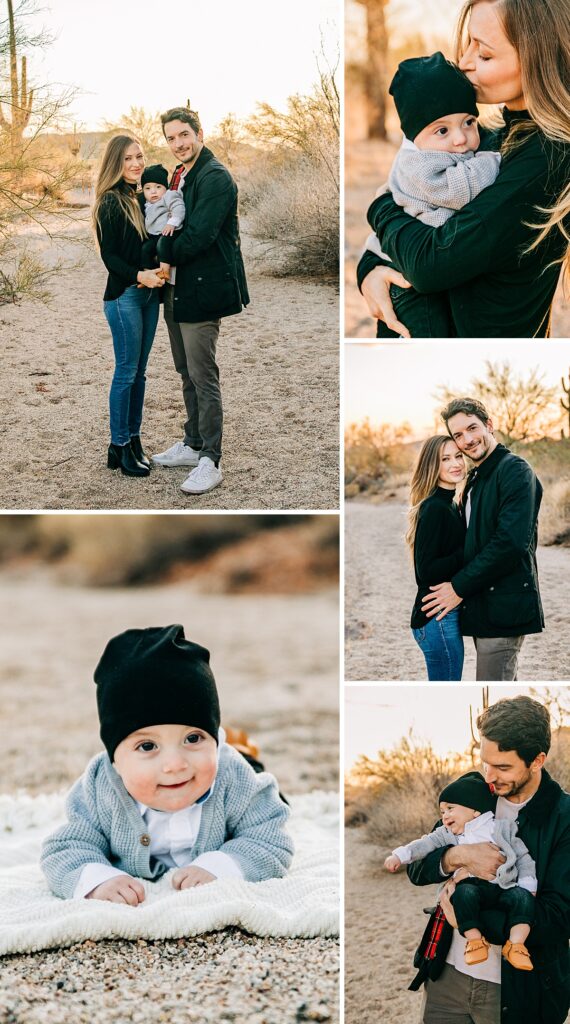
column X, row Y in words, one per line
column 140, row 787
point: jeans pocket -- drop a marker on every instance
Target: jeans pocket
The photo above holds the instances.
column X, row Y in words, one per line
column 419, row 634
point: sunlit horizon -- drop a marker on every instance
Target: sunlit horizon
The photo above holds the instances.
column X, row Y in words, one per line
column 396, row 382
column 378, row 717
column 224, row 57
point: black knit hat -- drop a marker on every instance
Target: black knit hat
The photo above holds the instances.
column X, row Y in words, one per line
column 470, row 790
column 155, row 173
column 425, row 88
column 154, row 677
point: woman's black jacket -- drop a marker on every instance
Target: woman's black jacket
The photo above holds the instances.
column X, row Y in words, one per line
column 438, row 546
column 541, row 996
column 477, row 255
column 120, row 244
column 499, row 579
column 210, row 277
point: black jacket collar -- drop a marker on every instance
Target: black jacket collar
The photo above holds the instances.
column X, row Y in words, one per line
column 205, row 156
column 539, row 809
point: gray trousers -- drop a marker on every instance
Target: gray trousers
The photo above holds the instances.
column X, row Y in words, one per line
column 497, row 657
column 456, row 998
column 194, row 353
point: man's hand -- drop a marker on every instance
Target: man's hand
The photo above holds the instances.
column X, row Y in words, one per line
column 446, row 904
column 392, row 863
column 187, row 878
column 480, row 859
column 168, row 229
column 442, row 600
column 376, row 291
column 120, row 889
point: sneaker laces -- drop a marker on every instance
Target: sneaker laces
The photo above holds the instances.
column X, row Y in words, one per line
column 202, row 468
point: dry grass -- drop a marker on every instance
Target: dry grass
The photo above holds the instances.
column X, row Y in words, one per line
column 229, row 554
column 397, row 792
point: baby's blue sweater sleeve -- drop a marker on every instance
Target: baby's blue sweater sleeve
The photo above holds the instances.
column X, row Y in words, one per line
column 79, row 842
column 257, row 836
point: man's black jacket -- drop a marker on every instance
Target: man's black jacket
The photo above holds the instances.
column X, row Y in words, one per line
column 210, row 276
column 499, row 579
column 541, row 996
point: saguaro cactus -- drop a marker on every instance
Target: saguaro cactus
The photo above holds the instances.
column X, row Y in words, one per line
column 566, row 405
column 375, row 72
column 20, row 100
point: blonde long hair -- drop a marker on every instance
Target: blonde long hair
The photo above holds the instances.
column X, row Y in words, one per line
column 110, row 174
column 424, row 481
column 539, row 30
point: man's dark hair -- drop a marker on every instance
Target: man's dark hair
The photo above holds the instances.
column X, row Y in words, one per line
column 517, row 723
column 469, row 406
column 190, row 117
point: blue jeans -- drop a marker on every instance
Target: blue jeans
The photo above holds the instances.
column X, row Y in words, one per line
column 442, row 647
column 132, row 318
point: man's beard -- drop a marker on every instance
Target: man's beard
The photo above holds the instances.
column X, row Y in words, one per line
column 515, row 787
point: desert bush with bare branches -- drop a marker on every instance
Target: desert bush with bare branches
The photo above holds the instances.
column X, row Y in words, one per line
column 292, row 195
column 398, row 790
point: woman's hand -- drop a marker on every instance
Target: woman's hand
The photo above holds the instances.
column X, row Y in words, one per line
column 376, row 291
column 149, row 279
column 120, row 889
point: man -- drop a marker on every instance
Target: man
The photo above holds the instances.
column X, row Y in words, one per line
column 498, row 584
column 515, row 740
column 207, row 283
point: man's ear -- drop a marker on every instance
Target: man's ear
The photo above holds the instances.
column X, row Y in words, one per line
column 538, row 763
column 201, row 135
column 490, row 426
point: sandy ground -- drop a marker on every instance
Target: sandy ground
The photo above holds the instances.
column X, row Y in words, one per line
column 387, row 911
column 279, row 369
column 367, row 167
column 380, row 592
column 279, row 680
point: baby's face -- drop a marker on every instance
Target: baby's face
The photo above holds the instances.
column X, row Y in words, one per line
column 455, row 133
column 456, row 816
column 167, row 767
column 153, row 192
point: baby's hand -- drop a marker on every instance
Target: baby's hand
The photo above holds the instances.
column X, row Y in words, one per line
column 392, row 863
column 187, row 878
column 168, row 230
column 120, row 889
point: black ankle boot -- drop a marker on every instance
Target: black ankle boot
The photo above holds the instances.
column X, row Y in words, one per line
column 138, row 451
column 120, row 456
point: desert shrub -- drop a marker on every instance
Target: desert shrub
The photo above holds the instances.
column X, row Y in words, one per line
column 554, row 521
column 399, row 789
column 558, row 763
column 293, row 197
column 296, row 207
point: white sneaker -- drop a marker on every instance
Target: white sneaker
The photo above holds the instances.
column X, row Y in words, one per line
column 204, row 478
column 179, row 455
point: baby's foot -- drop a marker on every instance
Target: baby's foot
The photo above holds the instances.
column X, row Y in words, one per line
column 476, row 951
column 518, row 955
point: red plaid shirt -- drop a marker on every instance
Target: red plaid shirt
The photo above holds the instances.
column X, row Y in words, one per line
column 176, row 176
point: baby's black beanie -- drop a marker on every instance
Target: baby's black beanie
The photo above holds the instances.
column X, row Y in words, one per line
column 154, row 677
column 155, row 173
column 425, row 88
column 469, row 790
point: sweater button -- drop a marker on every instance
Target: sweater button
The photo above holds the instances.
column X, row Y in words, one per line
column 491, row 588
column 145, row 839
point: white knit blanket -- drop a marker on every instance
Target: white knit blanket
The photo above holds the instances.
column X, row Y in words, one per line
column 304, row 904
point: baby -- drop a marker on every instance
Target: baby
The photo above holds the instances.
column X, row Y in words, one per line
column 437, row 170
column 164, row 213
column 467, row 812
column 168, row 792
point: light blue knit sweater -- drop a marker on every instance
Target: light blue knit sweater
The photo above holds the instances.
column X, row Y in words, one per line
column 243, row 817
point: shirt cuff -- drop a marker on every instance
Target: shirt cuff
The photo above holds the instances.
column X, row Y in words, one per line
column 528, row 883
column 93, row 875
column 219, row 864
column 403, row 855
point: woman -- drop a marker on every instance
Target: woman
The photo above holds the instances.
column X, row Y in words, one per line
column 435, row 536
column 130, row 302
column 498, row 259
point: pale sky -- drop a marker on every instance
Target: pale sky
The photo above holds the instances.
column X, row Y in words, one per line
column 223, row 56
column 377, row 717
column 395, row 381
